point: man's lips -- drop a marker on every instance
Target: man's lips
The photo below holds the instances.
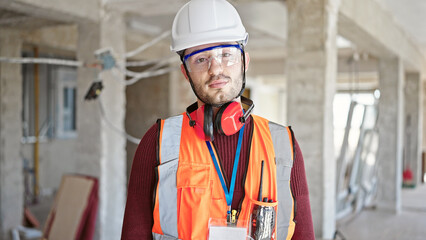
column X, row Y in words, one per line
column 218, row 83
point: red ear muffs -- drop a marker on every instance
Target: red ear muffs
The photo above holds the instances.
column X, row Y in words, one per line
column 227, row 121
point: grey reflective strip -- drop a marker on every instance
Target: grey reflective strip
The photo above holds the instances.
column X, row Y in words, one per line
column 167, row 191
column 156, row 236
column 170, row 140
column 282, row 148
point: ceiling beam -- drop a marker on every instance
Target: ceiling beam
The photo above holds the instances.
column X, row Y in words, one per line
column 372, row 28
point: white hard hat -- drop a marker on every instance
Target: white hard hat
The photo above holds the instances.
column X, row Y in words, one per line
column 201, row 22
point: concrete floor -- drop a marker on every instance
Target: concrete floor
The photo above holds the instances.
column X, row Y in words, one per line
column 377, row 225
column 41, row 210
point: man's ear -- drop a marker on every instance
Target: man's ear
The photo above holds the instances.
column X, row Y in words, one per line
column 182, row 69
column 247, row 60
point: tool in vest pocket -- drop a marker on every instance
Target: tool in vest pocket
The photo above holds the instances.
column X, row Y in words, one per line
column 264, row 220
column 228, row 215
column 259, row 198
column 231, row 217
column 234, row 216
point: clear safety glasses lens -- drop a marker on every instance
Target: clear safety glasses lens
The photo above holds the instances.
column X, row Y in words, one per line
column 201, row 60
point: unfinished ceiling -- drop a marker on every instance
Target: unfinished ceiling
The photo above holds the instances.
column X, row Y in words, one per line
column 15, row 20
column 411, row 16
column 265, row 20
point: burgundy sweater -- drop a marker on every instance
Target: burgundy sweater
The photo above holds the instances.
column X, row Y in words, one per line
column 138, row 217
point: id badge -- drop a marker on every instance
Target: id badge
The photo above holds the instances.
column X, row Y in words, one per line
column 220, row 230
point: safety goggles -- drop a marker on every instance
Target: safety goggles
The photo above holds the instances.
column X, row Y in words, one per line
column 201, row 60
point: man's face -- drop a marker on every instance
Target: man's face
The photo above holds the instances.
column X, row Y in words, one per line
column 216, row 72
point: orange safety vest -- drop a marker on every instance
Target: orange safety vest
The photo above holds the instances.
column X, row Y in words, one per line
column 188, row 192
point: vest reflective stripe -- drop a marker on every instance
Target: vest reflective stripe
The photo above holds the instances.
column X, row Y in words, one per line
column 282, row 140
column 169, row 160
column 170, row 139
column 194, row 193
column 157, row 236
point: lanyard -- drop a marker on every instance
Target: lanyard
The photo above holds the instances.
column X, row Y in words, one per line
column 228, row 194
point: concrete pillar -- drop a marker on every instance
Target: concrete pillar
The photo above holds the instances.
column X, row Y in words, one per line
column 423, row 79
column 11, row 167
column 88, row 117
column 413, row 125
column 89, row 130
column 311, row 73
column 390, row 124
column 113, row 160
column 102, row 146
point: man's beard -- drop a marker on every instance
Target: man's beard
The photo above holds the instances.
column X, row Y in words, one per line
column 220, row 97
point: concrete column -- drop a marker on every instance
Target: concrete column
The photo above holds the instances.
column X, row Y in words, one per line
column 413, row 125
column 390, row 124
column 311, row 73
column 113, row 158
column 11, row 178
column 423, row 79
column 102, row 144
column 88, row 117
column 89, row 145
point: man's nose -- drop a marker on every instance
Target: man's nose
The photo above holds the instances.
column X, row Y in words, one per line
column 215, row 66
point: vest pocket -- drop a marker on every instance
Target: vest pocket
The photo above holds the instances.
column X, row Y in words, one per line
column 194, row 199
column 193, row 175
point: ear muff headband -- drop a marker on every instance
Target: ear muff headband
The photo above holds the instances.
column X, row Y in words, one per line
column 208, row 122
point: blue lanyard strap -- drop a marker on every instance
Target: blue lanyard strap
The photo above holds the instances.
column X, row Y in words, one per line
column 228, row 194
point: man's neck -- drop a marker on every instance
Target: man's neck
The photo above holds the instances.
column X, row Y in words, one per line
column 216, row 109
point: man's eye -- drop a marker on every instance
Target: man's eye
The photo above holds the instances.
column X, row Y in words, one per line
column 200, row 60
column 226, row 54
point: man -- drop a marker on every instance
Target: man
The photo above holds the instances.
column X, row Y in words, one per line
column 216, row 164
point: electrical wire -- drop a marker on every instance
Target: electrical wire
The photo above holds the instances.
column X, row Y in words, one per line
column 149, row 74
column 138, row 76
column 159, row 64
column 145, row 62
column 148, row 44
column 51, row 61
column 129, row 137
column 168, row 61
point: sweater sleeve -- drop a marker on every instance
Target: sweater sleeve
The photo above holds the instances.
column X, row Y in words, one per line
column 304, row 228
column 138, row 218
